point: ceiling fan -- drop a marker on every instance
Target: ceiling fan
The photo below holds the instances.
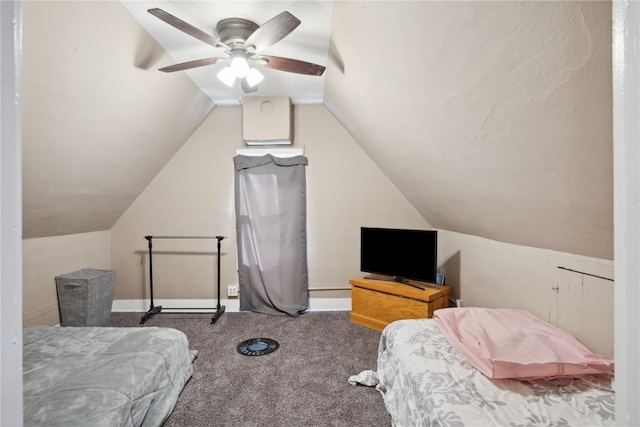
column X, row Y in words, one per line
column 242, row 41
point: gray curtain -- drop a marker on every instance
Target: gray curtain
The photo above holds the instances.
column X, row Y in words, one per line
column 271, row 227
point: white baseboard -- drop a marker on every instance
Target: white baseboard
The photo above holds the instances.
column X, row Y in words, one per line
column 232, row 305
column 329, row 304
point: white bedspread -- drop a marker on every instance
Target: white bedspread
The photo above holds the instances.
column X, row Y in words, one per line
column 425, row 382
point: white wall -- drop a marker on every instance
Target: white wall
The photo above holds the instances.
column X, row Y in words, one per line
column 10, row 218
column 488, row 273
column 45, row 258
column 626, row 135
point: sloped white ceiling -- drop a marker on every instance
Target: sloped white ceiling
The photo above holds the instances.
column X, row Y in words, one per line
column 493, row 118
column 99, row 122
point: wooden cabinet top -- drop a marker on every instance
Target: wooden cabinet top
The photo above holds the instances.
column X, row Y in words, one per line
column 425, row 292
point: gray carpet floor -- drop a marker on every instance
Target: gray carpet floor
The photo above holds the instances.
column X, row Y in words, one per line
column 302, row 383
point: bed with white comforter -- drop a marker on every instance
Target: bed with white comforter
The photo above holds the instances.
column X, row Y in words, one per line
column 425, row 382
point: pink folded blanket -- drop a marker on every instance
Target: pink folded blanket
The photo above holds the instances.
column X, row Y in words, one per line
column 513, row 343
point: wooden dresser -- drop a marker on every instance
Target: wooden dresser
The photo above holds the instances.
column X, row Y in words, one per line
column 376, row 303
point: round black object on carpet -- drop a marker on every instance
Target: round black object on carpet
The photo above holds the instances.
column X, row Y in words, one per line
column 257, row 346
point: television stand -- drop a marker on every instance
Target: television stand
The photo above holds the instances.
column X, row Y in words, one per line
column 377, row 302
column 398, row 279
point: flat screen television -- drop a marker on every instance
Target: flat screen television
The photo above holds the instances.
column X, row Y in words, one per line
column 402, row 254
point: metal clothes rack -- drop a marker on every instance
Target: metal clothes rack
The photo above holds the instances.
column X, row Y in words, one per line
column 155, row 309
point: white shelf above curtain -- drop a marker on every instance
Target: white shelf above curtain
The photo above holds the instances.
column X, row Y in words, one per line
column 278, row 152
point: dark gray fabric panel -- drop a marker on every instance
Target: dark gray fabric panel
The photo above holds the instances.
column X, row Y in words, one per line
column 271, row 215
column 247, row 162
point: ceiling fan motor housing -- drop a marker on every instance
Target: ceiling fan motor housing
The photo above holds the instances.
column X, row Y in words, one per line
column 235, row 31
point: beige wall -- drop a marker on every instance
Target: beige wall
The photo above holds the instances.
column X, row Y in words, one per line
column 193, row 195
column 502, row 118
column 488, row 273
column 47, row 257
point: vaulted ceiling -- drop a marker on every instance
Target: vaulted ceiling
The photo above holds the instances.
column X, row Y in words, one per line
column 492, row 118
column 308, row 42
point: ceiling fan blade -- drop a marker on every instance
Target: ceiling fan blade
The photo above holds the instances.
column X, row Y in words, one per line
column 246, row 88
column 191, row 64
column 290, row 65
column 272, row 31
column 187, row 28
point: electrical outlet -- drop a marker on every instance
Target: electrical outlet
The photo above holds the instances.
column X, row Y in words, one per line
column 459, row 303
column 232, row 290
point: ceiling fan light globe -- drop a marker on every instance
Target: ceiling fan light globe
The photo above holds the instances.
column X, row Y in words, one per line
column 227, row 76
column 239, row 66
column 254, row 77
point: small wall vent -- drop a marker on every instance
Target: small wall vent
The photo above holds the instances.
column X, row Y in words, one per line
column 266, row 120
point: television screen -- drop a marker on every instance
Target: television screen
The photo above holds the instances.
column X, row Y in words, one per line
column 403, row 254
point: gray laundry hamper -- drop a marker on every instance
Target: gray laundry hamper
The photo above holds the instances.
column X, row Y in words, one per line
column 85, row 297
